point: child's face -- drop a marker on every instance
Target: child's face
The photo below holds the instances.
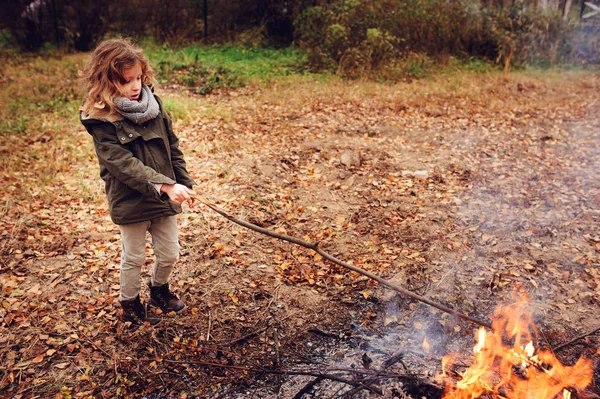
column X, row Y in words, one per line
column 133, row 82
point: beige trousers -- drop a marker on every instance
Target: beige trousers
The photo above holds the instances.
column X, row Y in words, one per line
column 165, row 242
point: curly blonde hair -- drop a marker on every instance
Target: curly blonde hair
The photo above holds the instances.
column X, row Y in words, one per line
column 104, row 73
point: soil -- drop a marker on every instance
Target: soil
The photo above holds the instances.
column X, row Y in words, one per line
column 466, row 198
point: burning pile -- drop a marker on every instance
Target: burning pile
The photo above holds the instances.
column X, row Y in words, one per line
column 507, row 366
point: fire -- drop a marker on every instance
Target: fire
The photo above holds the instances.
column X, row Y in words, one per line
column 506, row 365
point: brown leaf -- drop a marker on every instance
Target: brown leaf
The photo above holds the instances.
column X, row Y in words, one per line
column 529, row 267
column 38, row 359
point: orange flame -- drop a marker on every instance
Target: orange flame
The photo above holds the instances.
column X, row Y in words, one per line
column 506, row 367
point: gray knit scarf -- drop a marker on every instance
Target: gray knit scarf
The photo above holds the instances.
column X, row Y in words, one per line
column 140, row 111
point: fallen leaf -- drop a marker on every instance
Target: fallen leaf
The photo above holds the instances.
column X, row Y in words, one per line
column 529, row 267
column 38, row 359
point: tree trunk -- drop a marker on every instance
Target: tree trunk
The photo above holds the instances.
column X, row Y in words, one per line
column 205, row 4
column 507, row 61
column 55, row 17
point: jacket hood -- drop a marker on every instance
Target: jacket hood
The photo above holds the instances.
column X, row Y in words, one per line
column 98, row 116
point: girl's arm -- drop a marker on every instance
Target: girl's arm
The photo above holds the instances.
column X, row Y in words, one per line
column 177, row 158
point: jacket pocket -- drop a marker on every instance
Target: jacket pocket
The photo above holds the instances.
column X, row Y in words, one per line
column 128, row 132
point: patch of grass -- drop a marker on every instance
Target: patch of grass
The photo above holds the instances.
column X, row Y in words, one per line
column 213, row 112
column 176, row 108
column 207, row 68
column 17, row 125
column 39, row 98
column 186, row 109
column 476, row 65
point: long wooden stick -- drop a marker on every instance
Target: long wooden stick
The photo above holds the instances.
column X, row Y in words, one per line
column 315, row 247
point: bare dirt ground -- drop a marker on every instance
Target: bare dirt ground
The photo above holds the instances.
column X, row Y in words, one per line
column 462, row 190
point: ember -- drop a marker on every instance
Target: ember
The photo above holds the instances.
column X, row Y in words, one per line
column 506, row 364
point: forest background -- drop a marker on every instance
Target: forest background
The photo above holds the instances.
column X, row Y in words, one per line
column 352, row 37
column 449, row 146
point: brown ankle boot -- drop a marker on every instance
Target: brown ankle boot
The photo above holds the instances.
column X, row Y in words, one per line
column 165, row 299
column 135, row 312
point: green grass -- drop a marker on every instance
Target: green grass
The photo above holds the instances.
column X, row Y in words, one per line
column 210, row 67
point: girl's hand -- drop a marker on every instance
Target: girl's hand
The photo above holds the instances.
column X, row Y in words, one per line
column 179, row 193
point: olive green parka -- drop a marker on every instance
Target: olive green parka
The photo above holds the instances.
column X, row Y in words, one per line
column 133, row 158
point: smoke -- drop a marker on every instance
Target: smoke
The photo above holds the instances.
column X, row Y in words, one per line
column 533, row 213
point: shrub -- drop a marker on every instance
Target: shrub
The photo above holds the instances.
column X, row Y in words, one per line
column 310, row 26
column 363, row 35
column 357, row 37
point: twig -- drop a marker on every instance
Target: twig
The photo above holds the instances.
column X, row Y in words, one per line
column 315, row 247
column 387, row 364
column 332, row 377
column 250, row 334
column 322, row 333
column 277, row 353
column 307, row 388
column 209, row 325
column 559, row 347
column 317, row 374
column 402, row 377
column 88, row 340
column 275, row 297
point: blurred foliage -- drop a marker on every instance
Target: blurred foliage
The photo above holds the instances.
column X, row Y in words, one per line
column 366, row 36
column 80, row 24
column 387, row 39
column 363, row 35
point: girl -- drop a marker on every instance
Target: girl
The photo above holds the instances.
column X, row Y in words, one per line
column 144, row 170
